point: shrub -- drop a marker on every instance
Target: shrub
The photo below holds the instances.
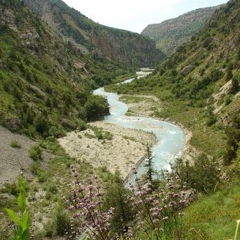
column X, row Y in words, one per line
column 96, row 107
column 35, row 168
column 62, row 222
column 35, row 152
column 203, row 175
column 10, row 188
column 41, row 124
column 82, row 125
column 86, row 208
column 15, row 144
column 22, row 219
column 211, row 120
column 158, row 213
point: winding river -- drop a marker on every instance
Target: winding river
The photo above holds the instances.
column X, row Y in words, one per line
column 170, row 138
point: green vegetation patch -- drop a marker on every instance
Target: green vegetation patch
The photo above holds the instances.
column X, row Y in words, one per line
column 215, row 216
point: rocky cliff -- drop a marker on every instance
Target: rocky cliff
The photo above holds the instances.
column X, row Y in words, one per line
column 92, row 38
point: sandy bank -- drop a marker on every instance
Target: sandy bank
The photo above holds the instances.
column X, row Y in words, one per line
column 121, row 152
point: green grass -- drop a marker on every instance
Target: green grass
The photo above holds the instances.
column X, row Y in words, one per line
column 214, row 217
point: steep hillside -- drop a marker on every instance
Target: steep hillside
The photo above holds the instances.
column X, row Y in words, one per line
column 100, row 41
column 45, row 88
column 45, row 82
column 199, row 87
column 171, row 33
column 199, row 84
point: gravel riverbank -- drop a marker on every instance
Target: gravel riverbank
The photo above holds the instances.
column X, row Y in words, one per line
column 121, row 152
column 13, row 160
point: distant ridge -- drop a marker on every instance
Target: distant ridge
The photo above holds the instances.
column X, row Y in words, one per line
column 94, row 39
column 171, row 33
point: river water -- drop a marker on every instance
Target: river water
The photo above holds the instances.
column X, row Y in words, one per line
column 170, row 138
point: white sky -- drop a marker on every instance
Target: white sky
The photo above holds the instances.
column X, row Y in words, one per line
column 135, row 15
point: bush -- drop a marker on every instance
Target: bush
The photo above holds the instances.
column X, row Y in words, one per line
column 10, row 188
column 96, row 107
column 108, row 214
column 211, row 120
column 62, row 221
column 15, row 144
column 41, row 125
column 35, row 152
column 35, row 168
column 82, row 125
column 203, row 175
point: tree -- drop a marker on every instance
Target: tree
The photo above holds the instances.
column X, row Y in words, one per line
column 117, row 197
column 203, row 175
column 149, row 176
column 41, row 124
column 235, row 86
column 233, row 135
column 96, row 107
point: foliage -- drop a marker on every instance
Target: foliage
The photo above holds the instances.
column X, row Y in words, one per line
column 62, row 220
column 35, row 152
column 100, row 43
column 22, row 223
column 10, row 188
column 116, row 196
column 112, row 213
column 101, row 134
column 159, row 212
column 96, row 107
column 193, row 80
column 41, row 93
column 87, row 202
column 213, row 216
column 202, row 175
column 233, row 135
column 15, row 144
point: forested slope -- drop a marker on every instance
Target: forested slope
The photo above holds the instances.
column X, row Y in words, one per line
column 46, row 82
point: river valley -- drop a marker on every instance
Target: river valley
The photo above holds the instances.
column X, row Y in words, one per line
column 132, row 135
column 170, row 138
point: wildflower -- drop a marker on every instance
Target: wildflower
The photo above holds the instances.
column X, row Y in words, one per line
column 165, row 218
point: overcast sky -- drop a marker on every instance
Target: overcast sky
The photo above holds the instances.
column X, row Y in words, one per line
column 135, row 15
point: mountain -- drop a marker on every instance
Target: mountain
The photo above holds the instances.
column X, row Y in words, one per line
column 199, row 88
column 46, row 83
column 49, row 66
column 91, row 38
column 199, row 84
column 171, row 33
column 45, row 88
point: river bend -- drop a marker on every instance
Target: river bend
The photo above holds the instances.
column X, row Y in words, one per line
column 170, row 138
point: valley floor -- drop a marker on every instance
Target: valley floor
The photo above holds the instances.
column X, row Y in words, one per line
column 122, row 152
column 127, row 146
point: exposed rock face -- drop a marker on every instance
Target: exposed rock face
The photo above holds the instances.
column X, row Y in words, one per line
column 171, row 33
column 102, row 42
